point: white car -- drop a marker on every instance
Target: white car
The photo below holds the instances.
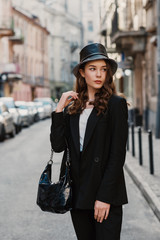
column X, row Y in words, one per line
column 48, row 105
column 24, row 112
column 41, row 110
column 6, row 123
column 33, row 110
column 9, row 102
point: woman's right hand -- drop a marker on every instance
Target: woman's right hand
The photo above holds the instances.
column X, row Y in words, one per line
column 65, row 99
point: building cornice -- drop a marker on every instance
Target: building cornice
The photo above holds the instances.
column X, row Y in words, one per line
column 123, row 34
column 29, row 17
column 148, row 4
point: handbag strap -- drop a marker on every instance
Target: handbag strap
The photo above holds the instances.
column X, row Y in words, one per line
column 51, row 157
column 68, row 158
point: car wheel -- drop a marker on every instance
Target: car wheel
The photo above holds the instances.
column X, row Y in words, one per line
column 13, row 133
column 17, row 129
column 2, row 133
column 20, row 127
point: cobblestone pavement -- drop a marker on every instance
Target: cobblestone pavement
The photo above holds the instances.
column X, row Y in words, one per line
column 147, row 183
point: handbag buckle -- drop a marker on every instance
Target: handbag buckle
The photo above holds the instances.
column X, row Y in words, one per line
column 50, row 162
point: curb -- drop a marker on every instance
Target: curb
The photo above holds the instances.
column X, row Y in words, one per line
column 148, row 194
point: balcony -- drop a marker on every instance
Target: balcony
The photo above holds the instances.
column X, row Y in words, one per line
column 6, row 28
column 36, row 81
column 29, row 79
column 130, row 42
column 17, row 38
column 40, row 81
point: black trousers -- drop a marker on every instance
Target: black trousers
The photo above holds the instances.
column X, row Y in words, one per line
column 87, row 228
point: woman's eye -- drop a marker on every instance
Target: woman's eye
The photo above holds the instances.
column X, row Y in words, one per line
column 104, row 69
column 92, row 69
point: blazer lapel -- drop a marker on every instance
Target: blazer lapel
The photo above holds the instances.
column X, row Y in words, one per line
column 91, row 123
column 74, row 126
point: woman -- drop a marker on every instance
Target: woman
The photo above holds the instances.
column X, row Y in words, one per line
column 93, row 120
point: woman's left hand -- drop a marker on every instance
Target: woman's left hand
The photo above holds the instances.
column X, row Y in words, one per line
column 101, row 210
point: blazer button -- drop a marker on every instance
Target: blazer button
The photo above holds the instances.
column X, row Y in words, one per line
column 96, row 159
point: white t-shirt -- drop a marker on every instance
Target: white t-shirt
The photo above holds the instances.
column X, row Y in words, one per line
column 82, row 125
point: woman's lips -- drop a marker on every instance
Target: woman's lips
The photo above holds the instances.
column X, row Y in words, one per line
column 98, row 82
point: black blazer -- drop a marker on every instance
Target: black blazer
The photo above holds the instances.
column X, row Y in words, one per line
column 98, row 173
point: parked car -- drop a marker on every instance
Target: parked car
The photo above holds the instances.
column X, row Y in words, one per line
column 41, row 110
column 9, row 102
column 6, row 122
column 48, row 105
column 34, row 111
column 24, row 112
column 31, row 114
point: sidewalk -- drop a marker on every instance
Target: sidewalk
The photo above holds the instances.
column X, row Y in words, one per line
column 148, row 184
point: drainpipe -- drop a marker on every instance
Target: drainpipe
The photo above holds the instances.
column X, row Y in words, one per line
column 81, row 24
column 158, row 71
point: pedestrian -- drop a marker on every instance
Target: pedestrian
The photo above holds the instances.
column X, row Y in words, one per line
column 93, row 121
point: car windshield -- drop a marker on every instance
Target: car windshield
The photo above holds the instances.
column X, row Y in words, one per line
column 39, row 104
column 9, row 104
column 22, row 107
column 46, row 103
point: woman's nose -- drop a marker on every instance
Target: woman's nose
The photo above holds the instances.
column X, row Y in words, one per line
column 98, row 73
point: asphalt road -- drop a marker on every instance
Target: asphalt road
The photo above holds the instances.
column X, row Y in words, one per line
column 22, row 160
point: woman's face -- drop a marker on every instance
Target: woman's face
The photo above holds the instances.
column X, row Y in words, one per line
column 95, row 73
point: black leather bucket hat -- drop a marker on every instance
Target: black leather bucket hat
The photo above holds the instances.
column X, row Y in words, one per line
column 92, row 52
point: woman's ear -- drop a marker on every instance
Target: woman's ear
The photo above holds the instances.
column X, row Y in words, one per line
column 82, row 72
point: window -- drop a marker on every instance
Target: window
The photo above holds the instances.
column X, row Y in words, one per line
column 90, row 26
column 90, row 6
column 89, row 42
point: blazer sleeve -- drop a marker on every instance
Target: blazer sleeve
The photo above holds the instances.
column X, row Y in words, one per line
column 114, row 167
column 57, row 134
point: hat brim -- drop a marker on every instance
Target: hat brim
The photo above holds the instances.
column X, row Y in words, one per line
column 112, row 63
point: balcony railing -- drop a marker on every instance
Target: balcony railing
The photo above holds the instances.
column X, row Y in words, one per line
column 18, row 37
column 6, row 27
column 36, row 81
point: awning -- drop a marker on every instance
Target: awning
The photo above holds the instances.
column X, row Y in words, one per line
column 10, row 71
column 4, row 77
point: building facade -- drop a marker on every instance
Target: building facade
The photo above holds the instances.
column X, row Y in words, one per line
column 62, row 19
column 65, row 43
column 132, row 27
column 90, row 17
column 72, row 24
column 30, row 51
column 8, row 69
column 23, row 55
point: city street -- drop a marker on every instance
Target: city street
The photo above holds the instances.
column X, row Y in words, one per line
column 22, row 160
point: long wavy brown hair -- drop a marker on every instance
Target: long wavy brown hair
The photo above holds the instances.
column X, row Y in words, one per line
column 102, row 95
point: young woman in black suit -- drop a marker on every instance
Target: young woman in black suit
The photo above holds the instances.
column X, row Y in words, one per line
column 93, row 120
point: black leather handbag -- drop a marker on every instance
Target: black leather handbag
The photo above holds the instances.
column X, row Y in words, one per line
column 55, row 197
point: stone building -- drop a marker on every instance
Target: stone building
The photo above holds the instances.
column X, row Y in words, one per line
column 8, row 68
column 65, row 43
column 90, row 17
column 30, row 51
column 132, row 28
column 62, row 19
column 24, row 56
